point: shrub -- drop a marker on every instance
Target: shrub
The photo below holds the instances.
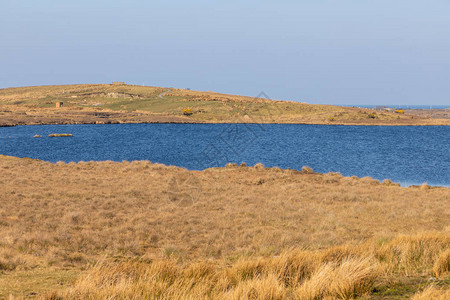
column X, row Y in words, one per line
column 400, row 111
column 187, row 112
column 372, row 115
column 347, row 279
column 424, row 186
column 259, row 166
column 389, row 182
column 307, row 170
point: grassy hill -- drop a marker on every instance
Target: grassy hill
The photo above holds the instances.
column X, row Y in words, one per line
column 108, row 103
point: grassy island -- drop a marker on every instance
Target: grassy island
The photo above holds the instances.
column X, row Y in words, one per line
column 113, row 103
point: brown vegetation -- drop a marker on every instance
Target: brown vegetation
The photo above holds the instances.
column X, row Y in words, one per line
column 430, row 113
column 60, row 135
column 148, row 230
column 432, row 293
column 120, row 103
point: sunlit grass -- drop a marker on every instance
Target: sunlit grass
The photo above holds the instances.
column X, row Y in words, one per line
column 31, row 105
column 244, row 231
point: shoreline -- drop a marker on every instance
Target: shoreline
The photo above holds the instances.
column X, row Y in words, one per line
column 230, row 165
column 229, row 122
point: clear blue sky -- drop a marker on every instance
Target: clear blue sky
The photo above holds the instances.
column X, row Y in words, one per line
column 330, row 51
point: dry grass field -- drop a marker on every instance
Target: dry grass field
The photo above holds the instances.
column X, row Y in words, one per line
column 139, row 230
column 107, row 103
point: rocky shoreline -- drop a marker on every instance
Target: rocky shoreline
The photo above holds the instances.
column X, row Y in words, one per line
column 10, row 118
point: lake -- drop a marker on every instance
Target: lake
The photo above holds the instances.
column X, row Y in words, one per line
column 404, row 154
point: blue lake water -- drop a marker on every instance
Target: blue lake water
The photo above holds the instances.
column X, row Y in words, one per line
column 405, row 154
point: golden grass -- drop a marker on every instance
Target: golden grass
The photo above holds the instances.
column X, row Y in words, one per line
column 350, row 272
column 432, row 293
column 145, row 229
column 442, row 264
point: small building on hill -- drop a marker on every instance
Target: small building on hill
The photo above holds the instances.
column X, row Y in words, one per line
column 59, row 104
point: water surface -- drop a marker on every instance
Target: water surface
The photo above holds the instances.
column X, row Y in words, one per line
column 405, row 154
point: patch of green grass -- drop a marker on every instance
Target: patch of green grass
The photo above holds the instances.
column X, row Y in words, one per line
column 155, row 105
column 38, row 281
column 401, row 288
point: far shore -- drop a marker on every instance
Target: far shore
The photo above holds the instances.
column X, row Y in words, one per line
column 125, row 104
column 146, row 121
column 68, row 116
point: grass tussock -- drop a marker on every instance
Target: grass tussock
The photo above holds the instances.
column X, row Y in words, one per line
column 432, row 293
column 442, row 264
column 345, row 279
column 407, row 254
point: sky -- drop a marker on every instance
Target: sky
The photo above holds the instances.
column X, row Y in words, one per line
column 317, row 51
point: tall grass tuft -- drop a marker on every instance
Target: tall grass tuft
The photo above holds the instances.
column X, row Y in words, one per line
column 442, row 264
column 432, row 293
column 307, row 170
column 409, row 254
column 265, row 287
column 342, row 272
column 345, row 280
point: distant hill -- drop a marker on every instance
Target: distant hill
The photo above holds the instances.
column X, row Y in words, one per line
column 121, row 103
